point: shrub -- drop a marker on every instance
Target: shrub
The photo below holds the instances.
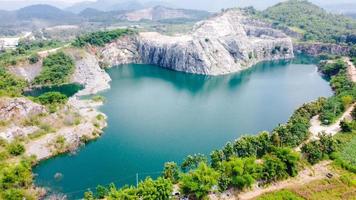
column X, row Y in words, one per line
column 199, row 182
column 98, row 98
column 33, row 59
column 171, row 171
column 100, row 38
column 16, row 148
column 10, row 85
column 315, row 151
column 273, row 169
column 57, row 69
column 15, row 176
column 237, row 172
column 155, row 189
column 192, row 161
column 52, row 98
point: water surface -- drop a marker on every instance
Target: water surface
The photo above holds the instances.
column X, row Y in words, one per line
column 66, row 89
column 157, row 115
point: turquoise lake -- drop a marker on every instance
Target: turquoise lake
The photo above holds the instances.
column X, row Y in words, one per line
column 157, row 115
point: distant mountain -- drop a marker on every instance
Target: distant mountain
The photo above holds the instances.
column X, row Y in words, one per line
column 46, row 12
column 116, row 5
column 41, row 13
column 106, row 5
column 159, row 13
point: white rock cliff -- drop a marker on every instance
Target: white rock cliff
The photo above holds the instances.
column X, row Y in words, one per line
column 228, row 42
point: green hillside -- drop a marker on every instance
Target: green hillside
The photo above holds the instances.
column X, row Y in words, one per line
column 313, row 22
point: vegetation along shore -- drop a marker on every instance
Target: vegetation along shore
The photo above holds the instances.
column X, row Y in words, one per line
column 311, row 156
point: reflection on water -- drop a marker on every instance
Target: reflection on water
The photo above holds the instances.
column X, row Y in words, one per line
column 156, row 115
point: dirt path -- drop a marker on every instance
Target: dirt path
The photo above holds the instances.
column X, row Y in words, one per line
column 351, row 70
column 316, row 126
column 316, row 172
column 45, row 53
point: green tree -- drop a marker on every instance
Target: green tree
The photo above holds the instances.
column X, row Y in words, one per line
column 347, row 100
column 216, row 156
column 124, row 193
column 171, row 171
column 88, row 195
column 101, row 191
column 199, row 182
column 290, row 159
column 50, row 98
column 242, row 172
column 312, row 152
column 33, row 59
column 346, row 126
column 273, row 168
column 160, row 189
column 192, row 161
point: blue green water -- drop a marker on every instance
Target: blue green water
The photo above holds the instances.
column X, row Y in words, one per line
column 67, row 89
column 156, row 115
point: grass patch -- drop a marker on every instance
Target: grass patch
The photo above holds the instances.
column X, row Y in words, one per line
column 280, row 195
column 98, row 98
column 341, row 188
column 348, row 153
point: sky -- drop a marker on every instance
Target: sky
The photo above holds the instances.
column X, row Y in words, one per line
column 212, row 5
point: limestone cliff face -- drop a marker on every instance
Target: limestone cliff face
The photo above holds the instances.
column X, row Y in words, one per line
column 315, row 49
column 227, row 42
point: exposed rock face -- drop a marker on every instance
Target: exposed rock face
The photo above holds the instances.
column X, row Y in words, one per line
column 26, row 71
column 123, row 51
column 19, row 108
column 321, row 48
column 15, row 131
column 228, row 42
column 89, row 74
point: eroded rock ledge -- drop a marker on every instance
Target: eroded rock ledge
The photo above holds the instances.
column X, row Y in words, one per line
column 226, row 43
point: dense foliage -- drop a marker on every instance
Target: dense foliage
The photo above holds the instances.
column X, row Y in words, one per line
column 10, row 85
column 53, row 100
column 318, row 150
column 15, row 179
column 345, row 91
column 26, row 50
column 100, row 38
column 199, row 182
column 148, row 189
column 314, row 23
column 57, row 69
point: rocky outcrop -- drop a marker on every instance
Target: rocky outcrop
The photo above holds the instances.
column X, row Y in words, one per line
column 13, row 132
column 19, row 108
column 26, row 70
column 321, row 48
column 122, row 51
column 89, row 74
column 228, row 42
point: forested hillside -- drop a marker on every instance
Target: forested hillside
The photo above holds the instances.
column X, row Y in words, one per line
column 313, row 22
